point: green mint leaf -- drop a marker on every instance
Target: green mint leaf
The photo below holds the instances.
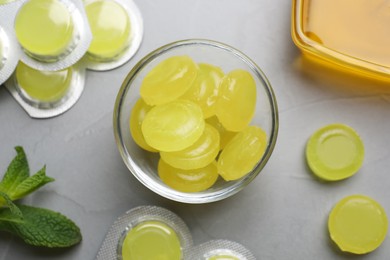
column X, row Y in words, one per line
column 42, row 227
column 14, row 210
column 7, row 216
column 30, row 184
column 17, row 172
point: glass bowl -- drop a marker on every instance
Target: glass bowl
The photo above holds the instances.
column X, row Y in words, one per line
column 143, row 164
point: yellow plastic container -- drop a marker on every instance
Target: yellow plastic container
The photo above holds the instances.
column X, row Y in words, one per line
column 350, row 35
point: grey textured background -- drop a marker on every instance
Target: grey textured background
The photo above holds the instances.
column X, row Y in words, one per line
column 281, row 215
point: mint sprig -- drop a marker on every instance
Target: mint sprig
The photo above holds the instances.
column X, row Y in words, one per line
column 36, row 226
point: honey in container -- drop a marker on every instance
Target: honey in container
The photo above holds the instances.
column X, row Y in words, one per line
column 352, row 33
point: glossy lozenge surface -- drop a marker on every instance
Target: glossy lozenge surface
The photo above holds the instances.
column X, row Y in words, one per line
column 44, row 27
column 335, row 152
column 110, row 26
column 151, row 240
column 358, row 224
column 168, row 80
column 173, row 126
column 188, row 180
column 44, row 86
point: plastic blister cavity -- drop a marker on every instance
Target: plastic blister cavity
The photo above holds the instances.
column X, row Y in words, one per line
column 9, row 50
column 220, row 250
column 117, row 29
column 112, row 246
column 44, row 94
column 52, row 42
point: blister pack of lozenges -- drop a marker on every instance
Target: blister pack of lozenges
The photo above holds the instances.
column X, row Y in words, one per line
column 117, row 30
column 9, row 50
column 53, row 34
column 146, row 232
column 45, row 94
column 220, row 250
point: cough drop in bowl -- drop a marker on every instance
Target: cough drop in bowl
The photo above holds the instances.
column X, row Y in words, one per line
column 143, row 164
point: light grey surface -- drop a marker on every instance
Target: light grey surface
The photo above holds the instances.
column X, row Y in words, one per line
column 281, row 215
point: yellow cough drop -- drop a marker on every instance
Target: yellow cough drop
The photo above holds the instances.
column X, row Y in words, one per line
column 44, row 27
column 151, row 240
column 111, row 29
column 44, row 86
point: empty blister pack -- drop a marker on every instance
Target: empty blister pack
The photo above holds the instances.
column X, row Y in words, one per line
column 117, row 30
column 146, row 232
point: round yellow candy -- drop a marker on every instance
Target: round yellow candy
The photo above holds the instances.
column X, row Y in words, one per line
column 358, row 224
column 236, row 103
column 173, row 126
column 151, row 239
column 198, row 155
column 44, row 27
column 204, row 90
column 225, row 135
column 188, row 180
column 242, row 153
column 169, row 80
column 137, row 116
column 111, row 28
column 335, row 152
column 44, row 86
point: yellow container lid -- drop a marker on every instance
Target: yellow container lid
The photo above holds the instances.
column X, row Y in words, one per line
column 350, row 35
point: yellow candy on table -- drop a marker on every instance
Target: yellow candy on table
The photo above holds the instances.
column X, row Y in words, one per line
column 169, row 80
column 151, row 239
column 173, row 126
column 188, row 180
column 335, row 152
column 242, row 153
column 358, row 224
column 111, row 29
column 137, row 116
column 198, row 155
column 44, row 28
column 204, row 90
column 43, row 86
column 236, row 103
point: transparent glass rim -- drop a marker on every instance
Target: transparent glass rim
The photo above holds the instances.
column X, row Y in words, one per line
column 194, row 198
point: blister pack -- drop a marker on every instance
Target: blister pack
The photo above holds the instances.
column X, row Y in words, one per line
column 44, row 94
column 53, row 34
column 146, row 232
column 9, row 49
column 117, row 30
column 220, row 250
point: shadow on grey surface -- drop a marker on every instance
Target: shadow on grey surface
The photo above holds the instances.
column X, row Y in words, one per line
column 339, row 80
column 20, row 249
